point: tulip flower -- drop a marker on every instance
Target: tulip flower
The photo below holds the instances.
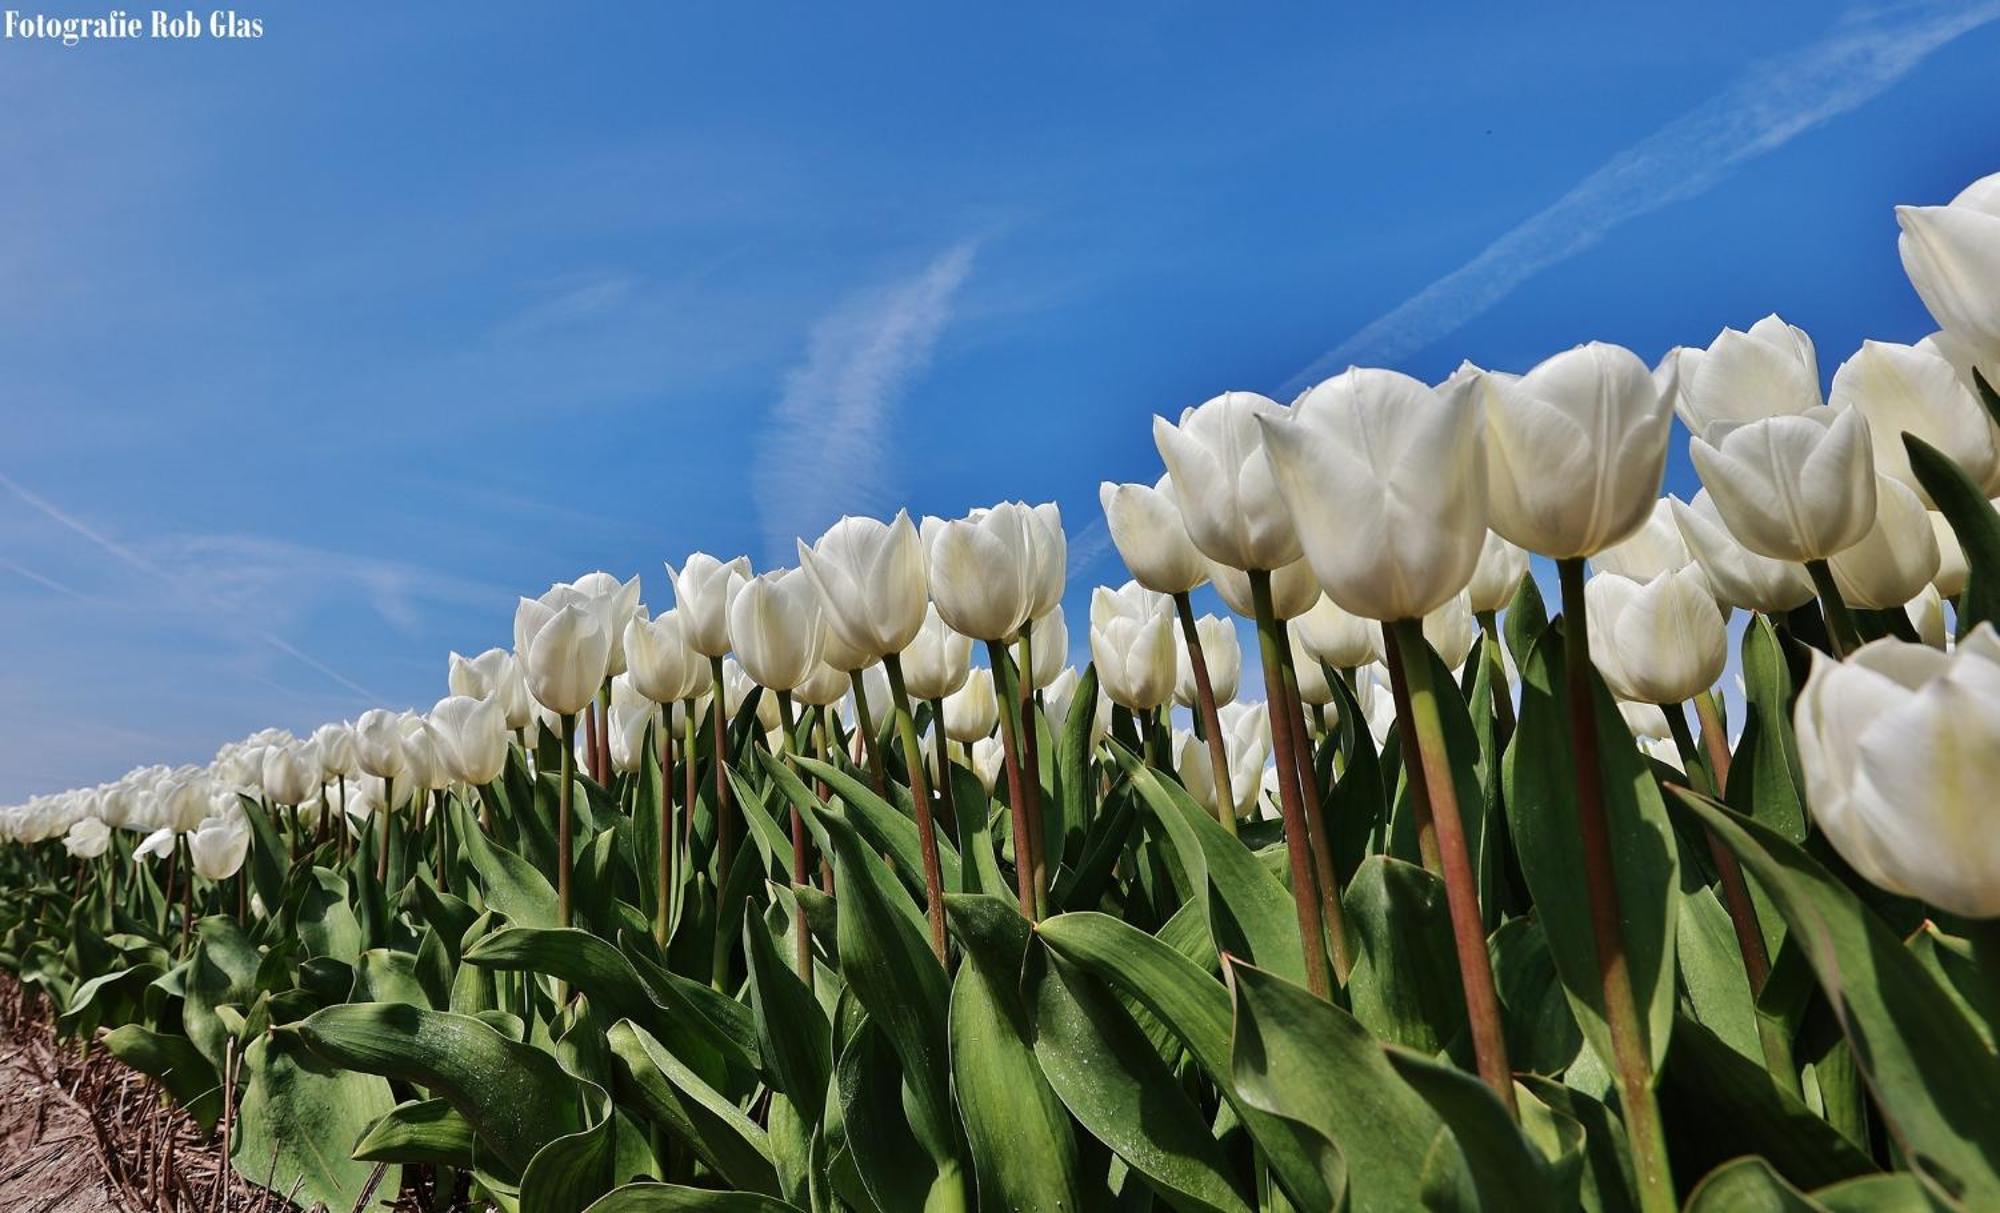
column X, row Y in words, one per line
column 1575, row 450
column 631, row 715
column 1900, row 746
column 1952, row 255
column 564, row 653
column 1912, row 389
column 1450, row 630
column 871, row 582
column 824, row 688
column 1048, row 559
column 937, row 659
column 1386, row 483
column 218, row 847
column 988, row 756
column 972, row 712
column 1050, row 638
column 1061, row 695
column 1659, row 641
column 1952, row 572
column 775, row 628
column 1655, row 548
column 1222, row 653
column 425, row 772
column 378, row 744
column 1737, row 576
column 291, row 774
column 494, row 674
column 1926, row 615
column 471, row 738
column 1132, row 644
column 157, row 845
column 980, row 570
column 1246, row 740
column 1744, row 376
column 1229, row 499
column 616, row 603
column 1294, row 590
column 663, row 666
column 1145, row 524
column 1898, row 556
column 1332, row 637
column 87, row 838
column 1497, row 576
column 703, row 588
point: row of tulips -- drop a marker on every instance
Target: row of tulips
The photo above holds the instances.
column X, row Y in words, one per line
column 1475, row 909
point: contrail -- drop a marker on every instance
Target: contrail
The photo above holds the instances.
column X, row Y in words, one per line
column 1773, row 102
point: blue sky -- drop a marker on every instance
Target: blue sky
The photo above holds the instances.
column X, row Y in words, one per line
column 315, row 351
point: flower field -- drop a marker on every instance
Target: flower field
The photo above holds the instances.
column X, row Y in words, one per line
column 836, row 887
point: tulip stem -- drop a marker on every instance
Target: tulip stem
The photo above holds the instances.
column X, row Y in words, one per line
column 801, row 937
column 1331, row 913
column 1631, row 1066
column 565, row 789
column 722, row 803
column 996, row 653
column 1840, row 627
column 1496, row 677
column 920, row 800
column 947, row 795
column 444, row 841
column 664, row 864
column 384, row 838
column 864, row 723
column 1420, row 801
column 1298, row 844
column 1711, row 780
column 1031, row 767
column 1208, row 716
column 1425, row 751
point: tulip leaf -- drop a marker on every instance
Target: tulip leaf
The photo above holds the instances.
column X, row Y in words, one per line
column 672, row 1198
column 1527, row 617
column 1195, row 1008
column 510, row 884
column 1009, row 1110
column 300, row 1120
column 421, row 1132
column 1975, row 522
column 1748, row 1185
column 1542, row 1036
column 1248, row 911
column 1508, row 1170
column 888, row 1152
column 516, row 1097
column 1405, row 986
column 888, row 830
column 656, row 1083
column 1935, row 1083
column 1302, row 1058
column 175, row 1062
column 1544, row 816
column 1110, row 1078
column 796, row 1042
column 572, row 1171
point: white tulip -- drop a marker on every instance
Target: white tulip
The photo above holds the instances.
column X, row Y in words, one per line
column 1911, row 389
column 564, row 654
column 1145, row 524
column 1132, row 644
column 1497, row 576
column 219, row 846
column 1294, row 590
column 1660, row 641
column 825, row 687
column 1926, row 615
column 1737, row 576
column 87, row 838
column 983, row 569
column 1900, row 745
column 1952, row 255
column 1328, row 634
column 1895, row 559
column 1227, row 492
column 937, row 659
column 1221, row 651
column 1656, row 547
column 871, row 582
column 471, row 738
column 1797, row 487
column 1744, row 376
column 1451, row 629
column 663, row 665
column 775, row 627
column 972, row 711
column 702, row 591
column 378, row 744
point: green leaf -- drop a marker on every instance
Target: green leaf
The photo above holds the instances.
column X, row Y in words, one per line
column 1075, row 802
column 1542, row 1036
column 300, row 1121
column 888, row 830
column 175, row 1062
column 1106, row 1073
column 1405, row 986
column 517, row 1097
column 421, row 1132
column 1508, row 1171
column 796, row 1040
column 1764, row 778
column 1973, row 520
column 1010, row 1112
column 896, row 1169
column 1935, row 1083
column 1304, row 1059
column 1748, row 1185
column 570, row 1172
column 671, row 1198
column 1543, row 814
column 656, row 1083
column 510, row 884
column 382, row 975
column 1527, row 617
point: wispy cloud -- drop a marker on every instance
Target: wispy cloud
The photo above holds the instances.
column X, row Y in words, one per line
column 824, row 448
column 1771, row 103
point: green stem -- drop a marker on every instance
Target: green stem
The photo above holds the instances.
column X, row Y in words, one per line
column 382, row 851
column 1298, row 843
column 1207, row 715
column 947, row 795
column 920, row 800
column 1003, row 686
column 1461, row 885
column 1496, row 677
column 1331, row 911
column 801, row 937
column 565, row 789
column 664, row 863
column 722, row 803
column 1413, row 770
column 1631, row 1064
column 1840, row 627
column 1031, row 768
column 864, row 722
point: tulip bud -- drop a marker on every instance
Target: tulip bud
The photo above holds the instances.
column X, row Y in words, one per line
column 972, row 711
column 378, row 744
column 1896, row 559
column 1737, row 576
column 1655, row 548
column 1575, row 450
column 825, row 687
column 980, row 570
column 1386, row 483
column 1900, row 747
column 1744, row 376
column 1952, row 255
column 471, row 738
column 1132, row 643
column 1049, row 637
column 1294, row 589
column 420, row 747
column 1660, row 641
column 1246, row 743
column 1228, row 496
column 1926, row 616
column 936, row 660
column 218, row 847
column 564, row 654
column 1221, row 650
column 1497, row 576
column 702, row 591
column 1952, row 572
column 87, row 838
column 659, row 658
column 335, row 745
column 871, row 582
column 1451, row 630
column 1146, row 526
column 630, row 716
column 1798, row 487
column 291, row 774
column 1911, row 389
column 1048, row 559
column 1330, row 635
column 775, row 627
column 989, row 757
